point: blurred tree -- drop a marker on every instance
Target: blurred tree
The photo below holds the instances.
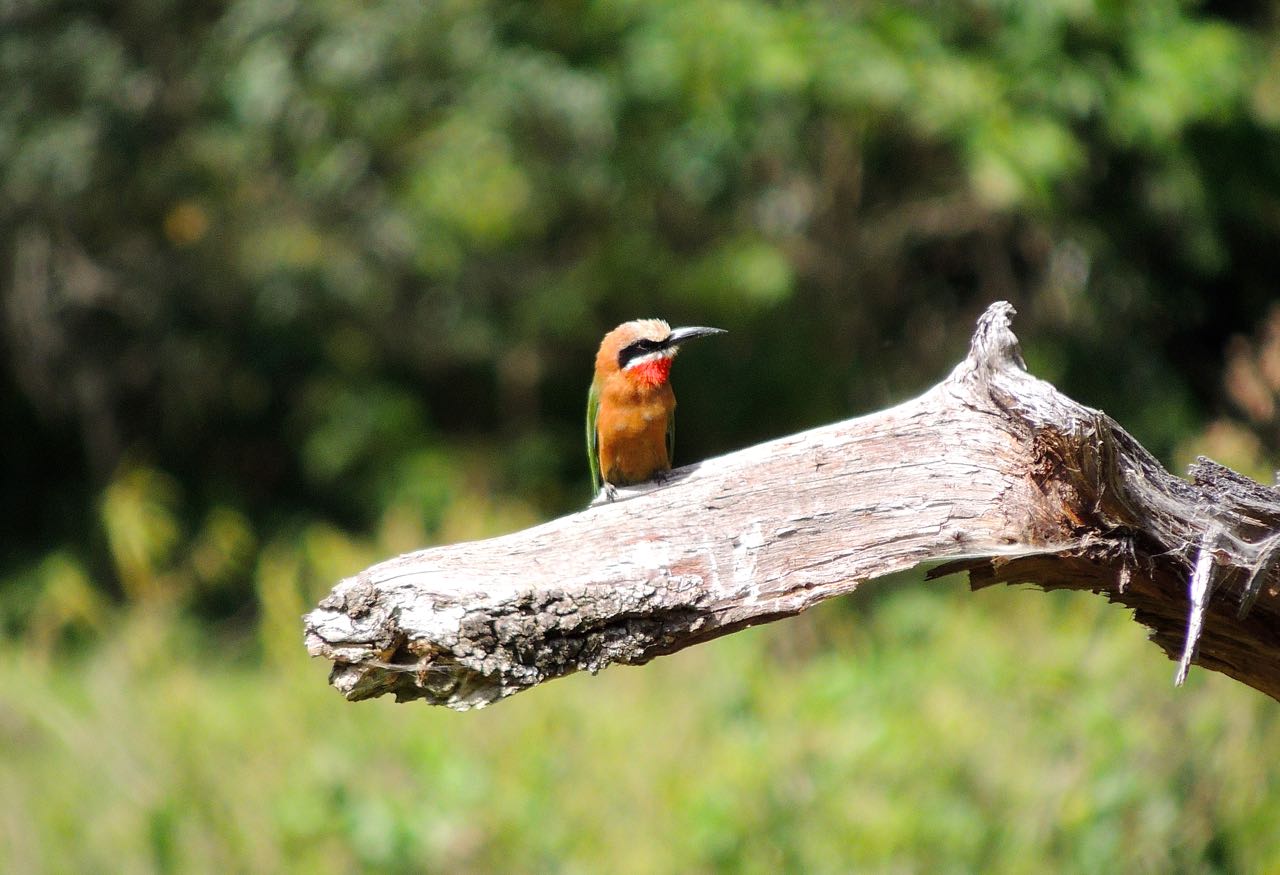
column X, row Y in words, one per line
column 322, row 262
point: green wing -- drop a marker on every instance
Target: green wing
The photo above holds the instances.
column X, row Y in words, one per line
column 593, row 439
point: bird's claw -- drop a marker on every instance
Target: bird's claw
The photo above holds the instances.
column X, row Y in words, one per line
column 610, row 493
column 607, row 494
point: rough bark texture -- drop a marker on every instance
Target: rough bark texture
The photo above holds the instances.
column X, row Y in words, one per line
column 992, row 471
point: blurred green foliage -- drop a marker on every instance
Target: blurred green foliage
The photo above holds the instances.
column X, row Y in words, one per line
column 289, row 287
column 292, row 256
column 943, row 731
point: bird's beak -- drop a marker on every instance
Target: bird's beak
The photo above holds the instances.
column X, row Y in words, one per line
column 680, row 335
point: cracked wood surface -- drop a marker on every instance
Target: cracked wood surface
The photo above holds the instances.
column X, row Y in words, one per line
column 992, row 471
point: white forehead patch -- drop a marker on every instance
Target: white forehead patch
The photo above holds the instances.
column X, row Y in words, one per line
column 654, row 329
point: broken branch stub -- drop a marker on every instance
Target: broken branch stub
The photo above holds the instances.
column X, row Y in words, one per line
column 992, row 472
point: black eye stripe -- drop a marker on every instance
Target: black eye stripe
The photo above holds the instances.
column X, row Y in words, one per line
column 637, row 348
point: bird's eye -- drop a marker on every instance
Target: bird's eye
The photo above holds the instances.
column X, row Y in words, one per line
column 635, row 349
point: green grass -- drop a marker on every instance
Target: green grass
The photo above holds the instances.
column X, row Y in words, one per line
column 922, row 729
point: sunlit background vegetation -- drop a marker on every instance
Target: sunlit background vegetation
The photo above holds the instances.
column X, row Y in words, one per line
column 289, row 287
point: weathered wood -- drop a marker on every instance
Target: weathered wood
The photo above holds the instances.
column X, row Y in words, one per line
column 992, row 471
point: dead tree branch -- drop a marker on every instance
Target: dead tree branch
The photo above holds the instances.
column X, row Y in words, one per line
column 992, row 471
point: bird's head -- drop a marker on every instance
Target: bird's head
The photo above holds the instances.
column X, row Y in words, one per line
column 642, row 350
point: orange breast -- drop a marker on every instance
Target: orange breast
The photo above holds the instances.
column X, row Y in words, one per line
column 632, row 427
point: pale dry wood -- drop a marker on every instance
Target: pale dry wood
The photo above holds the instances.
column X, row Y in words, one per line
column 992, row 471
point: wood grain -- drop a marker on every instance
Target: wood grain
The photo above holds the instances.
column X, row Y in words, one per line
column 992, row 472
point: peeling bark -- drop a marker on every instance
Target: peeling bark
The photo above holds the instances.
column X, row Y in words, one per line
column 992, row 472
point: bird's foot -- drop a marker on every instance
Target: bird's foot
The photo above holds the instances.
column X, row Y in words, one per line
column 606, row 495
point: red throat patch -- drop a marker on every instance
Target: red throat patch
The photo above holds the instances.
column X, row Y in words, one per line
column 651, row 373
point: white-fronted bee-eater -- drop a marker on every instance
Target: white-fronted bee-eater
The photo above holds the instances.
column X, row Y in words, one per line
column 631, row 408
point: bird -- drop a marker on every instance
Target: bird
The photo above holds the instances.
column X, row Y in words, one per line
column 630, row 407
